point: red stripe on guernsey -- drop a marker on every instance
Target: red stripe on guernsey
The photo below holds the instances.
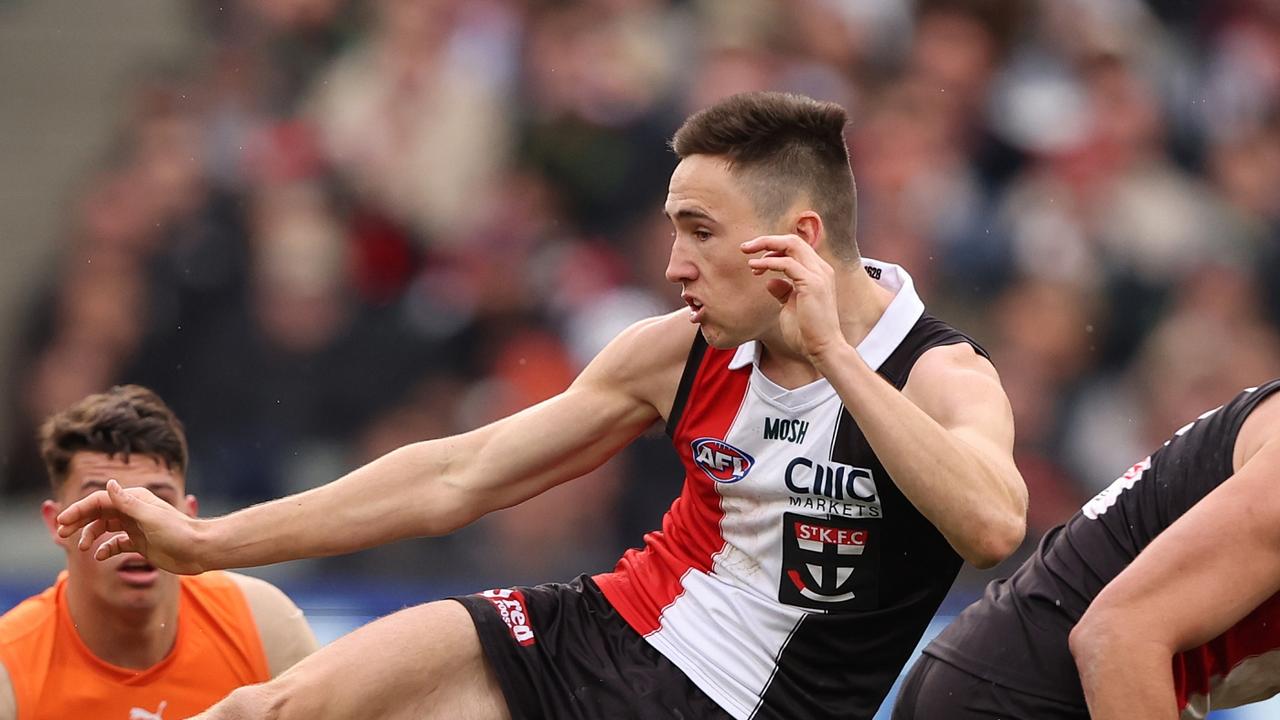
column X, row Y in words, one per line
column 647, row 581
column 1195, row 670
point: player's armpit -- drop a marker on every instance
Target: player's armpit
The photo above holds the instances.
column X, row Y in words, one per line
column 1199, row 577
column 8, row 704
column 286, row 636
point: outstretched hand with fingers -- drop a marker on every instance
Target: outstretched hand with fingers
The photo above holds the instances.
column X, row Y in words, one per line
column 138, row 522
column 805, row 286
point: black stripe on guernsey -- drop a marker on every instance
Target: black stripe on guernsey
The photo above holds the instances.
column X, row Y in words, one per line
column 691, row 366
column 777, row 664
column 839, row 664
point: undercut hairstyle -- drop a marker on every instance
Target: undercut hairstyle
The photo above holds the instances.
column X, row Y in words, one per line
column 782, row 146
column 126, row 420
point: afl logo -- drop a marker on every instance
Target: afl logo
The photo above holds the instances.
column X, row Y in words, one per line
column 721, row 461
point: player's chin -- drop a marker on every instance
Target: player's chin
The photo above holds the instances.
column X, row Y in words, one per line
column 722, row 338
column 715, row 338
column 136, row 598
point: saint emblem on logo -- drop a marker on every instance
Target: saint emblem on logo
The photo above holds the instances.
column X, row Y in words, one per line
column 829, row 563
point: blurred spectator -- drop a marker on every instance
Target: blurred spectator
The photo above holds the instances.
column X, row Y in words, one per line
column 1046, row 335
column 349, row 226
column 417, row 117
column 598, row 80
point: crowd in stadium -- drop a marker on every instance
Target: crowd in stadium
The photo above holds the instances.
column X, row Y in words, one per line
column 348, row 226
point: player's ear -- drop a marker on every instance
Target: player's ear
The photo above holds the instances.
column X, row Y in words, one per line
column 49, row 510
column 190, row 506
column 808, row 227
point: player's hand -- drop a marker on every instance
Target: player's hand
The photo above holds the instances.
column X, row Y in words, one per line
column 138, row 522
column 805, row 286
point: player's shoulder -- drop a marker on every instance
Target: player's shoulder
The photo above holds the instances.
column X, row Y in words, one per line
column 644, row 361
column 29, row 617
column 229, row 595
column 659, row 336
column 951, row 370
column 648, row 347
column 282, row 628
column 8, row 703
column 266, row 601
column 958, row 356
column 956, row 385
column 1260, row 428
column 27, row 632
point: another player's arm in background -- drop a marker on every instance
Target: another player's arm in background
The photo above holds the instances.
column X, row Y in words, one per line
column 286, row 636
column 946, row 438
column 1181, row 592
column 8, row 704
column 426, row 488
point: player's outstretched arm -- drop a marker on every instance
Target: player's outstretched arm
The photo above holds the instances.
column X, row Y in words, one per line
column 946, row 438
column 1199, row 577
column 427, row 488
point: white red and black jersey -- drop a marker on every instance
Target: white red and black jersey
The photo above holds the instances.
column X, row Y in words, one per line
column 1016, row 635
column 791, row 578
column 1238, row 667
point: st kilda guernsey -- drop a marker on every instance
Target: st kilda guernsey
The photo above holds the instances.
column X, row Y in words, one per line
column 791, row 578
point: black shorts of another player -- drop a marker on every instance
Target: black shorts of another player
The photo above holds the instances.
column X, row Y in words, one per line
column 560, row 651
column 937, row 690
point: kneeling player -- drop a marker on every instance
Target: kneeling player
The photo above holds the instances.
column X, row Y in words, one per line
column 1178, row 566
column 124, row 638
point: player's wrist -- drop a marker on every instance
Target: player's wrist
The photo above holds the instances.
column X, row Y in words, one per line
column 208, row 550
column 832, row 357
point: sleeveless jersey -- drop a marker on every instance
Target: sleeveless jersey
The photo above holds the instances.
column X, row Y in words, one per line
column 1016, row 635
column 791, row 578
column 55, row 676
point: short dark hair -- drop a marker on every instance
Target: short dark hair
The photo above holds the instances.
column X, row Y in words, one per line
column 125, row 420
column 782, row 145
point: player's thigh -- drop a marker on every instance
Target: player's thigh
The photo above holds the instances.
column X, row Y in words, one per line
column 421, row 663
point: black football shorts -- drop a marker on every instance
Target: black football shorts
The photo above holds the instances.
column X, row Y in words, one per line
column 937, row 690
column 560, row 651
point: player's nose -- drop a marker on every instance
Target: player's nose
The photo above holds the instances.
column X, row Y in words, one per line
column 680, row 269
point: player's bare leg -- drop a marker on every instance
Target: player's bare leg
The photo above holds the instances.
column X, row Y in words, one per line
column 424, row 662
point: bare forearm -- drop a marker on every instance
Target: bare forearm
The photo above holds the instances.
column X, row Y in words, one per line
column 1124, row 676
column 406, row 493
column 974, row 503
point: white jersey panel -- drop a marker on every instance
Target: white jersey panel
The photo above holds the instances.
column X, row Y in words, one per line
column 775, row 436
column 707, row 622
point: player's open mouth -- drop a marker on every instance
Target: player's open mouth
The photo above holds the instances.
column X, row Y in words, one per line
column 139, row 573
column 695, row 309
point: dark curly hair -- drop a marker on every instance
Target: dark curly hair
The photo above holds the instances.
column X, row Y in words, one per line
column 125, row 420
